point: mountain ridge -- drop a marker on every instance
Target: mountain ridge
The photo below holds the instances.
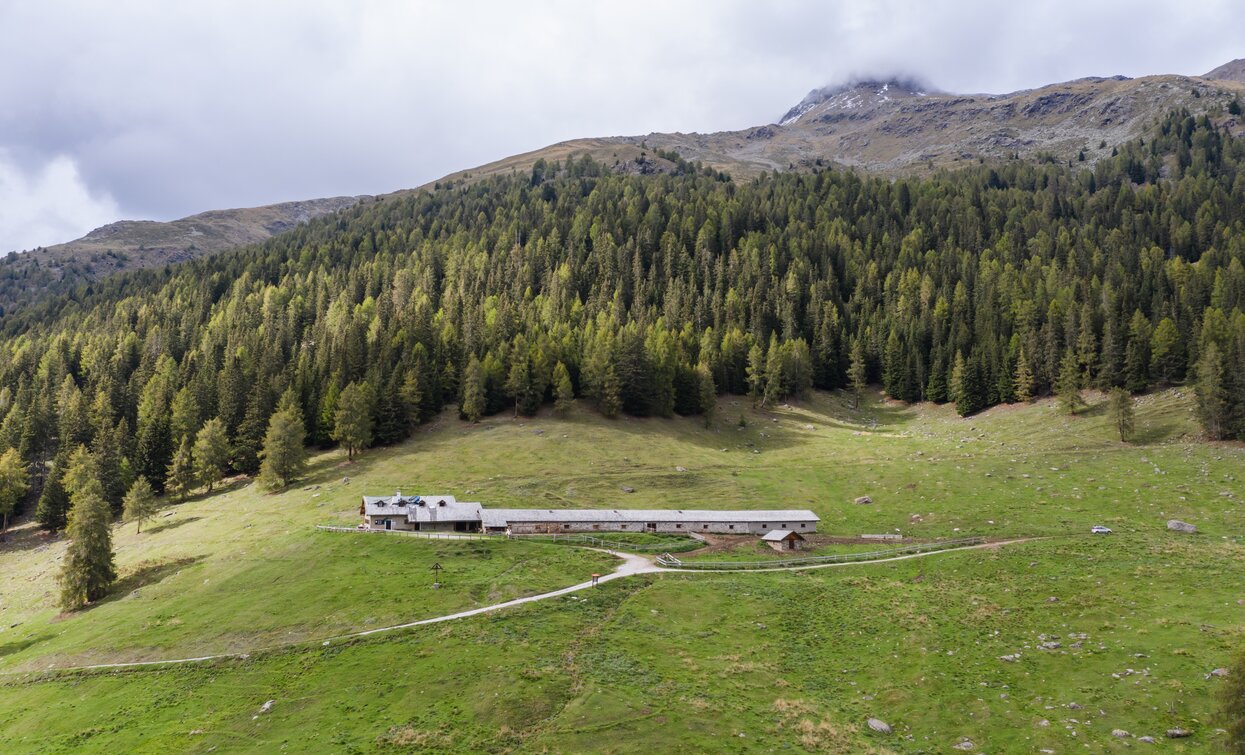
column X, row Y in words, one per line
column 894, row 126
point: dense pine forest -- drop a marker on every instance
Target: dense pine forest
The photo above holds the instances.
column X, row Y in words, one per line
column 645, row 295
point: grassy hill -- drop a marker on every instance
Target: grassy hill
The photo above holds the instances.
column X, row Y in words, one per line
column 724, row 662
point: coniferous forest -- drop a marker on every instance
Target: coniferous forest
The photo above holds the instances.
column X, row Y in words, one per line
column 644, row 295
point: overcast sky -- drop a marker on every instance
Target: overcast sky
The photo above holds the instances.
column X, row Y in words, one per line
column 158, row 110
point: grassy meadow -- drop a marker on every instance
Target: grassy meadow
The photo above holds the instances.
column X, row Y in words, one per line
column 1132, row 623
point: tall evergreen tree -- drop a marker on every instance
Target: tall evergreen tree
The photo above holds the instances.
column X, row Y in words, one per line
column 1122, row 413
column 563, row 391
column 283, row 457
column 1212, row 395
column 473, row 403
column 87, row 570
column 180, row 478
column 14, row 482
column 52, row 509
column 856, row 373
column 211, row 453
column 1068, row 386
column 352, row 424
column 1023, row 382
column 139, row 503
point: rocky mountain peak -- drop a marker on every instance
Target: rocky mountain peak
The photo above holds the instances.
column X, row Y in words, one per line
column 858, row 94
column 1233, row 71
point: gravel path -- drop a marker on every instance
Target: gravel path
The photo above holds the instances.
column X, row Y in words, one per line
column 631, row 565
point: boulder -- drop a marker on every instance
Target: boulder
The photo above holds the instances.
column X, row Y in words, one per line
column 1175, row 525
column 680, row 469
column 1220, row 672
column 863, row 500
column 1120, row 733
column 879, row 725
column 1178, row 733
column 1147, row 740
column 966, row 744
column 266, row 706
column 626, row 489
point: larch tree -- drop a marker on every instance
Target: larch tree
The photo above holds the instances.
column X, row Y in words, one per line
column 283, row 456
column 87, row 570
column 1023, row 382
column 211, row 453
column 1212, row 394
column 708, row 393
column 1122, row 413
column 563, row 390
column 180, row 479
column 14, row 482
column 139, row 503
column 856, row 373
column 473, row 403
column 1068, row 386
column 352, row 423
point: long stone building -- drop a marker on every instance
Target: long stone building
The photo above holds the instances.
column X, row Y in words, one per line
column 442, row 513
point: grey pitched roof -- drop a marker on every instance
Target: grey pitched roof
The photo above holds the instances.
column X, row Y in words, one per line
column 780, row 535
column 501, row 517
column 422, row 508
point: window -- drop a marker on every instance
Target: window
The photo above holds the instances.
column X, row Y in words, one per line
column 704, row 526
column 596, row 526
column 678, row 526
column 732, row 526
column 802, row 526
column 622, row 526
column 566, row 526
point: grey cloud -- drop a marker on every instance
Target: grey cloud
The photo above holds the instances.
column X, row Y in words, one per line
column 174, row 108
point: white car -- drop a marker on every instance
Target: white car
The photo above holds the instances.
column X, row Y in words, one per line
column 1098, row 529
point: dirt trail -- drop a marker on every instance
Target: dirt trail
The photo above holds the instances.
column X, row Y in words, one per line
column 631, row 565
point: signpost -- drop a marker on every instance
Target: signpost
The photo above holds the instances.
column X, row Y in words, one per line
column 436, row 575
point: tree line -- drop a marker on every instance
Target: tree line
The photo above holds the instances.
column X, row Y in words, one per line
column 644, row 295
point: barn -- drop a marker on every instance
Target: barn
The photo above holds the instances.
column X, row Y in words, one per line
column 442, row 513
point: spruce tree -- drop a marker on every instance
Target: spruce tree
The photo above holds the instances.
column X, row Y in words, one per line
column 473, row 403
column 14, row 482
column 352, row 423
column 563, row 391
column 87, row 570
column 412, row 394
column 180, row 478
column 139, row 503
column 154, row 451
column 211, row 453
column 1122, row 413
column 52, row 510
column 284, row 456
column 1167, row 357
column 971, row 395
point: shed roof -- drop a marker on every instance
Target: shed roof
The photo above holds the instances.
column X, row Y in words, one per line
column 422, row 508
column 775, row 536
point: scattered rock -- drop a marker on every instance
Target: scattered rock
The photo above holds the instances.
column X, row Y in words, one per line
column 966, row 744
column 1178, row 733
column 1074, row 706
column 345, row 480
column 1120, row 733
column 1052, row 599
column 1043, row 723
column 879, row 725
column 626, row 489
column 538, row 431
column 266, row 706
column 680, row 469
column 1175, row 525
column 1050, row 646
column 863, row 500
column 1010, row 658
column 1220, row 672
column 1147, row 740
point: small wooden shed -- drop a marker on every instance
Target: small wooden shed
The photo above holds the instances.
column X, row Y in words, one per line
column 783, row 540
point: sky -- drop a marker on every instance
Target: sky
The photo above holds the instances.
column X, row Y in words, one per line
column 158, row 110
